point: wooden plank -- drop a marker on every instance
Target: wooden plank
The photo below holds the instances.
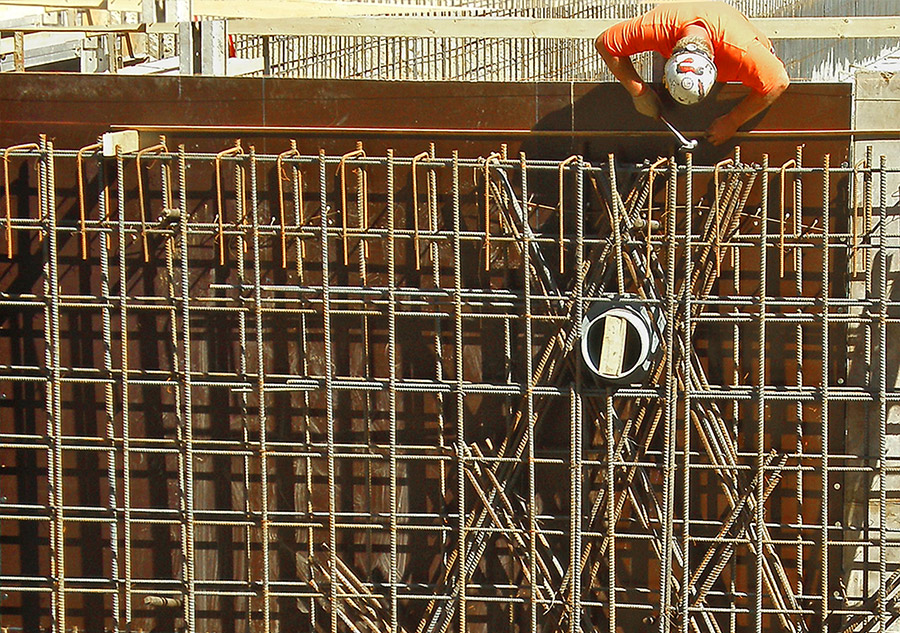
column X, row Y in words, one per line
column 57, row 4
column 612, row 351
column 324, row 17
column 833, row 27
column 562, row 28
column 288, row 9
column 255, row 8
column 92, row 28
column 19, row 52
column 416, row 26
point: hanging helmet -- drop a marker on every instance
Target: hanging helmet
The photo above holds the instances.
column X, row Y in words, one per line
column 689, row 74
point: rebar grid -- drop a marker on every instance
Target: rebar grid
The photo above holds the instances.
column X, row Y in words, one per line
column 315, row 392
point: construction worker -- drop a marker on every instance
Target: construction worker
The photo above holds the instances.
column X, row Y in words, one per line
column 703, row 42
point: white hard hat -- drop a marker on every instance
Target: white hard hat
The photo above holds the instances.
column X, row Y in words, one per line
column 689, row 75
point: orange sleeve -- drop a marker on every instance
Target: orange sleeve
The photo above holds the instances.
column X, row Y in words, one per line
column 631, row 37
column 761, row 69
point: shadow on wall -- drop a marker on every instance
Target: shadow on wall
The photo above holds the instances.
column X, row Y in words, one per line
column 632, row 138
column 860, row 512
column 603, row 109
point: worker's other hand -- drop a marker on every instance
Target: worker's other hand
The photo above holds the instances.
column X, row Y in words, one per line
column 721, row 130
column 647, row 102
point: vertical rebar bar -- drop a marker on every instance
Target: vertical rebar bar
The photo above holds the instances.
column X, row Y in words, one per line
column 760, row 397
column 611, row 508
column 459, row 390
column 824, row 401
column 260, row 388
column 686, row 330
column 798, row 357
column 190, row 614
column 124, row 386
column 435, row 254
column 47, row 193
column 81, row 202
column 336, row 607
column 175, row 384
column 243, row 355
column 671, row 413
column 529, row 404
column 578, row 434
column 415, row 207
column 883, row 530
column 109, row 393
column 7, row 194
column 575, row 438
column 393, row 575
column 617, row 223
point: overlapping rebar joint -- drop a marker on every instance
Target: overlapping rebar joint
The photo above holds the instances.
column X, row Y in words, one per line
column 346, row 441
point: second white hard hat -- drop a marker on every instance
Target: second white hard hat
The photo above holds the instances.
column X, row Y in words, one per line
column 689, row 75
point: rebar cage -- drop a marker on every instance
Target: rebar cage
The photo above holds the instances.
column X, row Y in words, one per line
column 296, row 392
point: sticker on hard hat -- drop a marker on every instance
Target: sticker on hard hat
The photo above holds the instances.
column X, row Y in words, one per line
column 687, row 66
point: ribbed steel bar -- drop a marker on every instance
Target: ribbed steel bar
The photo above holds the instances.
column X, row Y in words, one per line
column 336, row 606
column 112, row 467
column 244, row 374
column 670, row 415
column 124, row 385
column 393, row 576
column 459, row 377
column 882, row 613
column 47, row 194
column 187, row 413
column 761, row 406
column 260, row 391
column 362, row 211
column 798, row 357
column 684, row 331
column 306, row 497
column 736, row 356
column 529, row 404
column 174, row 382
column 824, row 403
column 435, row 255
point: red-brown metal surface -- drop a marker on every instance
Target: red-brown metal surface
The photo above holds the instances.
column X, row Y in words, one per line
column 75, row 110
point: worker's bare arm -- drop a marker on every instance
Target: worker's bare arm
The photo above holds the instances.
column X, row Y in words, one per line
column 724, row 127
column 645, row 99
column 621, row 68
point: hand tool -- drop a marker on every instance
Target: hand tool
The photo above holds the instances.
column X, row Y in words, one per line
column 686, row 145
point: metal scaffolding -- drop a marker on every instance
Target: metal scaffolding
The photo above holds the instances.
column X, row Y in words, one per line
column 279, row 392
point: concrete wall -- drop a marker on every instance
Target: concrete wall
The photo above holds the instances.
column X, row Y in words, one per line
column 871, row 496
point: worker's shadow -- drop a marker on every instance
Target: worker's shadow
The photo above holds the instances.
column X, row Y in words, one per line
column 604, row 122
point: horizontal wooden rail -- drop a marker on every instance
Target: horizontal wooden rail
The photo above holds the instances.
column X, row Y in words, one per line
column 494, row 27
column 562, row 28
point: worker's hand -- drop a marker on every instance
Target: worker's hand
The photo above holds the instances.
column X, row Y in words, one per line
column 721, row 130
column 647, row 102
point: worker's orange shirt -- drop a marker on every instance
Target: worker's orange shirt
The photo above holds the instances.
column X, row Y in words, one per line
column 742, row 52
